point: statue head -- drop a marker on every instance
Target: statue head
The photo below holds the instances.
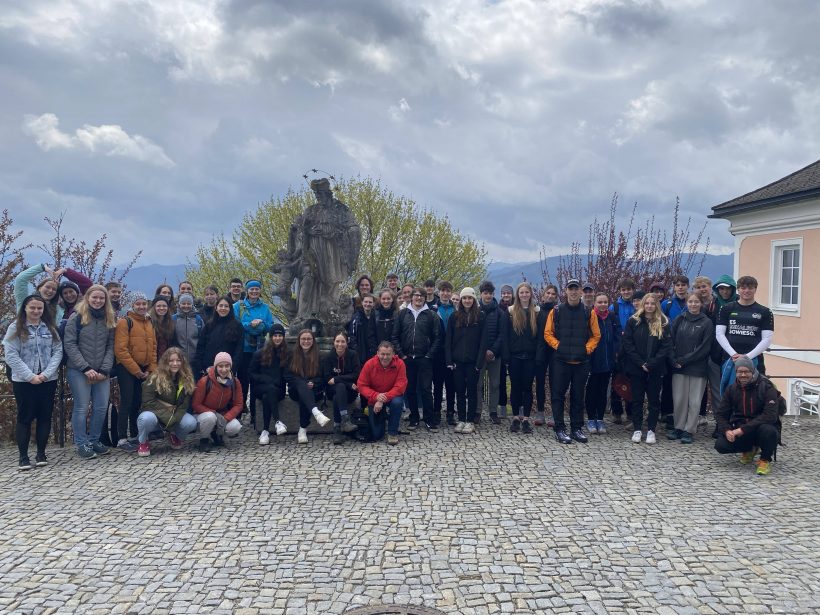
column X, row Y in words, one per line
column 321, row 188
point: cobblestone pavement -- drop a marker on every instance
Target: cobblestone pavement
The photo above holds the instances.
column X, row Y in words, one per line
column 489, row 523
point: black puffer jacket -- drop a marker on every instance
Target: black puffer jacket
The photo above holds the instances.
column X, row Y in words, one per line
column 385, row 320
column 494, row 319
column 465, row 344
column 692, row 338
column 417, row 336
column 639, row 347
column 362, row 331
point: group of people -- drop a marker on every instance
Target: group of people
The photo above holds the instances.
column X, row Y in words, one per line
column 194, row 366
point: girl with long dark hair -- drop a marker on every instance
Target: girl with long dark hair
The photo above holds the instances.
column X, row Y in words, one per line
column 304, row 378
column 464, row 348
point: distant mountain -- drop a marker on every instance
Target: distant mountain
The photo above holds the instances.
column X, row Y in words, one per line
column 147, row 277
column 505, row 273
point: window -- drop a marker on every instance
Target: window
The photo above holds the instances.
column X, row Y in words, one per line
column 786, row 274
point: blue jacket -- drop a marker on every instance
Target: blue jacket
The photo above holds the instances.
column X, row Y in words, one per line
column 603, row 357
column 445, row 311
column 674, row 307
column 246, row 312
column 41, row 353
column 625, row 310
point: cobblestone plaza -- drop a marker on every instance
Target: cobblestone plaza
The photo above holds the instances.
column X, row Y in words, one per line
column 489, row 523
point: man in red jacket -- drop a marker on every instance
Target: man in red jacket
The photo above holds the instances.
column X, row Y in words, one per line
column 382, row 383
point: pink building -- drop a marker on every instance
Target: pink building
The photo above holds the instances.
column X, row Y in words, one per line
column 777, row 240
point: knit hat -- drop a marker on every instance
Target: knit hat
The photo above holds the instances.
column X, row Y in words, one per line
column 137, row 296
column 746, row 362
column 467, row 291
column 253, row 284
column 506, row 288
column 67, row 284
column 185, row 298
column 277, row 329
column 223, row 357
column 657, row 285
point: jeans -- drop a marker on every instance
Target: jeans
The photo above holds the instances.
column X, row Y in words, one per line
column 377, row 420
column 84, row 392
column 491, row 372
column 465, row 384
column 148, row 422
column 213, row 422
column 35, row 402
column 597, row 386
column 342, row 395
column 649, row 385
column 420, row 377
column 763, row 436
column 522, row 374
column 572, row 376
column 130, row 402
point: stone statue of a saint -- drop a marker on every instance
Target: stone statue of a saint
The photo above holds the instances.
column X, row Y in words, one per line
column 321, row 256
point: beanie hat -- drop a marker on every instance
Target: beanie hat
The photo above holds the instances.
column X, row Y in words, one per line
column 506, row 288
column 253, row 284
column 67, row 284
column 137, row 296
column 223, row 357
column 467, row 291
column 746, row 362
column 277, row 329
column 185, row 298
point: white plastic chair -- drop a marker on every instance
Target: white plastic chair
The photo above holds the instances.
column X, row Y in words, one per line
column 805, row 399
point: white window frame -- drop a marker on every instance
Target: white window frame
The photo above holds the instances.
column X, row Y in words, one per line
column 778, row 245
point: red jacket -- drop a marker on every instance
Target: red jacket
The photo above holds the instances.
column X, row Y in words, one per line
column 375, row 379
column 220, row 398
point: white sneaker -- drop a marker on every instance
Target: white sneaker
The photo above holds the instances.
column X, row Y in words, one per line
column 302, row 437
column 320, row 418
column 280, row 428
column 264, row 438
column 650, row 437
column 468, row 428
column 459, row 427
column 636, row 436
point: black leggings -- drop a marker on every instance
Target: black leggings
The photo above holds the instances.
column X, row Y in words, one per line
column 300, row 392
column 597, row 387
column 522, row 373
column 270, row 407
column 465, row 381
column 130, row 403
column 35, row 402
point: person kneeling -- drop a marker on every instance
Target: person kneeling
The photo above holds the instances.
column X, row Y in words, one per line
column 748, row 416
column 166, row 396
column 383, row 381
column 217, row 403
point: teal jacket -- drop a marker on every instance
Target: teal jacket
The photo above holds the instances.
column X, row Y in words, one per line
column 245, row 313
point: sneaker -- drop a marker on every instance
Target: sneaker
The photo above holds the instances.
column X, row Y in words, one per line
column 686, row 438
column 617, row 419
column 468, row 428
column 320, row 418
column 747, row 457
column 280, row 428
column 601, row 427
column 25, row 464
column 636, row 437
column 129, row 446
column 551, row 423
column 702, row 420
column 338, row 435
column 460, row 427
column 204, row 445
column 539, row 419
column 494, row 418
column 515, row 426
column 84, row 451
column 144, row 449
column 592, row 426
column 579, row 436
column 347, row 425
column 40, row 460
column 763, row 467
column 174, row 441
column 562, row 437
column 413, row 425
column 431, row 427
column 650, row 437
column 392, row 440
column 301, row 438
column 526, row 427
column 100, row 448
column 675, row 434
column 264, row 437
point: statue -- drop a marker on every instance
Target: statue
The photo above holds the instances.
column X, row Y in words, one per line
column 321, row 256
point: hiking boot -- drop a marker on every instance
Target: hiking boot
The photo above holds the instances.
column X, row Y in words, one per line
column 494, row 418
column 515, row 426
column 539, row 419
column 763, row 467
column 675, row 434
column 338, row 435
column 468, row 428
column 636, row 437
column 144, row 449
column 579, row 436
column 25, row 464
column 686, row 438
column 301, row 437
column 320, row 418
column 264, row 438
column 392, row 440
column 650, row 437
column 601, row 426
column 747, row 457
column 280, row 428
column 84, row 451
column 526, row 427
column 100, row 448
column 348, row 426
column 592, row 427
column 174, row 441
column 204, row 445
column 562, row 437
column 460, row 427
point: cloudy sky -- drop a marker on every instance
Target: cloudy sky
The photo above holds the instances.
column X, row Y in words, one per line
column 160, row 122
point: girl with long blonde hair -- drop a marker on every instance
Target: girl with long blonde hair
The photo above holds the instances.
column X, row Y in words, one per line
column 522, row 343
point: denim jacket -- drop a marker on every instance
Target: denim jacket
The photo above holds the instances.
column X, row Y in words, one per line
column 41, row 353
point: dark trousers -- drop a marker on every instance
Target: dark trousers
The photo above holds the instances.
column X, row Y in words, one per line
column 420, row 379
column 35, row 402
column 270, row 407
column 597, row 387
column 667, row 405
column 764, row 437
column 502, row 387
column 130, row 403
column 522, row 373
column 645, row 385
column 465, row 383
column 342, row 395
column 245, row 380
column 300, row 392
column 572, row 376
column 541, row 386
column 442, row 381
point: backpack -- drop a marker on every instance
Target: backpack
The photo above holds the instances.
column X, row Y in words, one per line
column 761, row 391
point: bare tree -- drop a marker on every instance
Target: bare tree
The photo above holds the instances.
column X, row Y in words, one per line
column 11, row 263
